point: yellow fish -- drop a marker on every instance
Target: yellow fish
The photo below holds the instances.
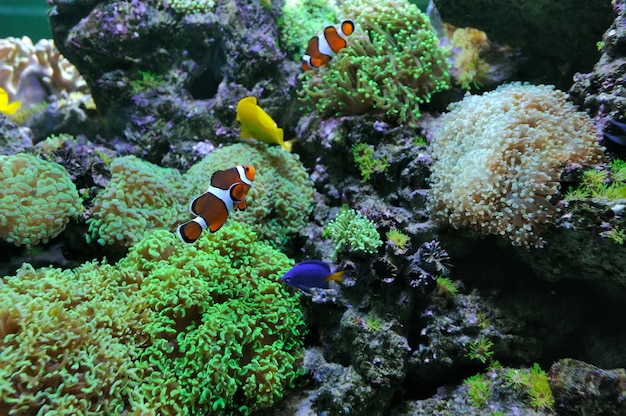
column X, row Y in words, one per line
column 5, row 107
column 257, row 124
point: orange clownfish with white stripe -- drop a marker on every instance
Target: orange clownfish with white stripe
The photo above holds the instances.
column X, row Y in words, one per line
column 228, row 190
column 322, row 47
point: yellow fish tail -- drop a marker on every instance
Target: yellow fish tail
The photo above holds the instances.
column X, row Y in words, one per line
column 288, row 144
column 337, row 277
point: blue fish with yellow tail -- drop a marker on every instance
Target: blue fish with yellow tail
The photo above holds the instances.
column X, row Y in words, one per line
column 310, row 274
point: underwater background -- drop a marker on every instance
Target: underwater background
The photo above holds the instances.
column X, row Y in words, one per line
column 312, row 207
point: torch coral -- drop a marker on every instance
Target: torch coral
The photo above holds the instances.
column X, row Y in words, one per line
column 171, row 329
column 37, row 199
column 499, row 156
column 391, row 65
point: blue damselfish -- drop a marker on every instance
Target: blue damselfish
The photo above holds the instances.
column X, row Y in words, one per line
column 310, row 274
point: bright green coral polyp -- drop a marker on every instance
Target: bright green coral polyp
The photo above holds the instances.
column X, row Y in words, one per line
column 37, row 199
column 171, row 329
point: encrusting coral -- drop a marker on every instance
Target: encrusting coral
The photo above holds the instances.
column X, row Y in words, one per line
column 391, row 65
column 171, row 329
column 37, row 199
column 499, row 156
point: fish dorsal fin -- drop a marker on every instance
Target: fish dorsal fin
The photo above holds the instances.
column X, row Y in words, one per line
column 224, row 179
column 318, row 262
column 347, row 27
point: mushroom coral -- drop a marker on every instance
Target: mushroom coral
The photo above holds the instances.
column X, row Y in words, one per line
column 171, row 329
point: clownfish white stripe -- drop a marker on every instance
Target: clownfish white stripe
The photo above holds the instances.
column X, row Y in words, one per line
column 323, row 47
column 242, row 175
column 223, row 195
column 201, row 222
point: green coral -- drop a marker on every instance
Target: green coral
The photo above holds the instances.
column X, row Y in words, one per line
column 148, row 83
column 478, row 390
column 352, row 232
column 539, row 389
column 171, row 329
column 37, row 199
column 367, row 162
column 191, row 6
column 607, row 183
column 391, row 65
column 480, row 350
column 303, row 19
column 398, row 239
column 142, row 197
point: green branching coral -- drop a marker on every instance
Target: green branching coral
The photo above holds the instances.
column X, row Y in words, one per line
column 140, row 197
column 281, row 199
column 352, row 232
column 391, row 65
column 171, row 329
column 303, row 19
column 37, row 199
column 367, row 162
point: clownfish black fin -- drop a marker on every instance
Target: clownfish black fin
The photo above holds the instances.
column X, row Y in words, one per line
column 190, row 231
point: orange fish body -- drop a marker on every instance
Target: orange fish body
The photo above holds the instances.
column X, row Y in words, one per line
column 227, row 191
column 322, row 47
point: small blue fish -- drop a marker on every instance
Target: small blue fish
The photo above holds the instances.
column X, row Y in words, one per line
column 310, row 274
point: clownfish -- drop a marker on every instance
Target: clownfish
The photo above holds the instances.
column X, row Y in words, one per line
column 322, row 47
column 311, row 273
column 257, row 124
column 228, row 190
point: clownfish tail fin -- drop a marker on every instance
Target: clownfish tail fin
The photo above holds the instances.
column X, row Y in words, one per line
column 190, row 231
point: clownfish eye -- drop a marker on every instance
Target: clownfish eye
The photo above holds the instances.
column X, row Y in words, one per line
column 249, row 171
